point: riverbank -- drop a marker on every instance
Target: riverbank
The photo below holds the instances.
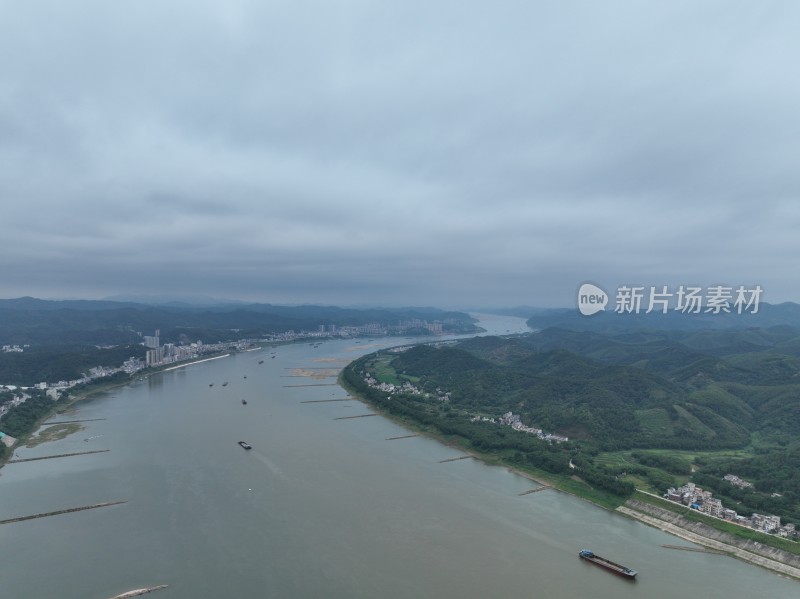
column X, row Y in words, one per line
column 87, row 391
column 677, row 527
column 571, row 486
column 564, row 484
column 185, row 364
column 29, row 438
column 390, row 517
column 99, row 386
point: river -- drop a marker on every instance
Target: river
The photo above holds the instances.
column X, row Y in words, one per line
column 319, row 507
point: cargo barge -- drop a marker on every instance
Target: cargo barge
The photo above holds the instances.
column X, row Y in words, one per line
column 614, row 567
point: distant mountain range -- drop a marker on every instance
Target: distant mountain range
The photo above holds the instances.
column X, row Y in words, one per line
column 768, row 315
column 175, row 300
column 31, row 320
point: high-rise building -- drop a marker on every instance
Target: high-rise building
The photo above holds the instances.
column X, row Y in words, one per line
column 152, row 342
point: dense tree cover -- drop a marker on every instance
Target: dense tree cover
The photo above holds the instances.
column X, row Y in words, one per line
column 691, row 400
column 776, row 471
column 769, row 316
column 117, row 377
column 28, row 320
column 6, row 396
column 755, row 357
column 670, row 463
column 517, row 448
column 22, row 419
column 561, row 392
column 683, row 390
column 606, row 480
column 25, row 418
column 776, row 408
column 425, row 360
column 63, row 362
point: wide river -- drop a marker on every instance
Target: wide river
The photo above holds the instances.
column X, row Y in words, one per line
column 319, row 507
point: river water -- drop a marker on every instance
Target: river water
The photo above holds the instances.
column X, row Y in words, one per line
column 319, row 507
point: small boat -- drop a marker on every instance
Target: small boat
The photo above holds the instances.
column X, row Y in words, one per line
column 614, row 567
column 261, row 361
column 245, row 376
column 225, row 384
column 244, row 402
column 211, row 384
column 244, row 445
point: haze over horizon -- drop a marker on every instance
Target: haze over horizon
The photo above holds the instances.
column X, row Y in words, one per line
column 442, row 154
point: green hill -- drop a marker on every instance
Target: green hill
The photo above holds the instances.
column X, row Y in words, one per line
column 640, row 408
column 611, row 405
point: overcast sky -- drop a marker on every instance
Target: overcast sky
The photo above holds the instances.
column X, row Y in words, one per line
column 438, row 153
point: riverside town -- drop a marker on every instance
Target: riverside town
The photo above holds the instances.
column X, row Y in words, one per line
column 696, row 498
column 159, row 355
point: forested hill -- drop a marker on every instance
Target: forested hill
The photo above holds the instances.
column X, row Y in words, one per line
column 609, row 321
column 688, row 390
column 612, row 406
column 648, row 409
column 34, row 321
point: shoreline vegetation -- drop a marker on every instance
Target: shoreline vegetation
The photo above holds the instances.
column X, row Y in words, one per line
column 779, row 556
column 540, row 477
column 30, row 438
column 104, row 385
column 569, row 484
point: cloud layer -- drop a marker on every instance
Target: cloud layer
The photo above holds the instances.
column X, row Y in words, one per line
column 430, row 153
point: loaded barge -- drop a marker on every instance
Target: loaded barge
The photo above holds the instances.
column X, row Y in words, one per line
column 614, row 567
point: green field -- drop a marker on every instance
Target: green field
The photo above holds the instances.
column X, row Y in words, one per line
column 383, row 372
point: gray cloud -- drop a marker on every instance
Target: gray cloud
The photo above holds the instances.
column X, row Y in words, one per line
column 397, row 153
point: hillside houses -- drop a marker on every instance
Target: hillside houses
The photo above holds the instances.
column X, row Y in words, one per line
column 703, row 501
column 515, row 422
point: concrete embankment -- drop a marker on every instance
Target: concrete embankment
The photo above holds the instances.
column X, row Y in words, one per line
column 326, row 400
column 462, row 457
column 536, row 490
column 71, row 421
column 66, row 511
column 315, row 385
column 706, row 536
column 60, row 455
column 696, row 549
column 351, row 417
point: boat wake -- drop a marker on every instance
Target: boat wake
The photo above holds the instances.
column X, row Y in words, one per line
column 270, row 464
